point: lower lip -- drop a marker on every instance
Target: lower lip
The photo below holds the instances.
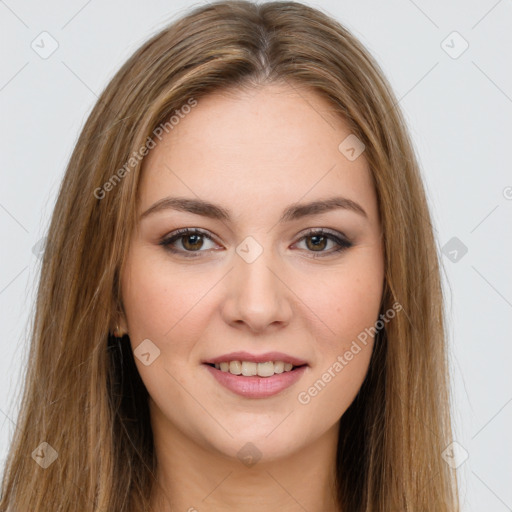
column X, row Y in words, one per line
column 254, row 386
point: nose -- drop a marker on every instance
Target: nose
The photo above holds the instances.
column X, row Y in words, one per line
column 257, row 295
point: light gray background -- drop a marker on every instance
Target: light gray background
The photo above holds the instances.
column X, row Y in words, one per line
column 459, row 111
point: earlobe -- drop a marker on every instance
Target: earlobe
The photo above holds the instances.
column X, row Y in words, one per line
column 120, row 329
column 119, row 332
column 118, row 326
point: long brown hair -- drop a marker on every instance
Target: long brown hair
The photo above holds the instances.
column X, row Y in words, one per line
column 83, row 395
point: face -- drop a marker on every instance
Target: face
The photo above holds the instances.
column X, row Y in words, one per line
column 245, row 284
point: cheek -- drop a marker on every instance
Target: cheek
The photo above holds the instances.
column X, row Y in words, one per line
column 159, row 303
column 146, row 300
column 344, row 353
column 347, row 306
column 345, row 303
column 163, row 307
column 356, row 307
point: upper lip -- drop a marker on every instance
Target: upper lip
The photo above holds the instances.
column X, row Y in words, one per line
column 256, row 358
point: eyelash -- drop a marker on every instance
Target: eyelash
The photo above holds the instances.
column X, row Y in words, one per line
column 342, row 243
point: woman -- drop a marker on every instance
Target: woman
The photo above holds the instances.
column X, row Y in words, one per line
column 240, row 304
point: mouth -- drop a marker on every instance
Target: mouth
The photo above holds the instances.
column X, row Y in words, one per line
column 256, row 376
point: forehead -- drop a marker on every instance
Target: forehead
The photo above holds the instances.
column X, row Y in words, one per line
column 246, row 148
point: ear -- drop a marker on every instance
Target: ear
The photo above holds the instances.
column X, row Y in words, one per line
column 119, row 320
column 123, row 326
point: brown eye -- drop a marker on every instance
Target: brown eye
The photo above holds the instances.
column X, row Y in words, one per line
column 317, row 241
column 192, row 241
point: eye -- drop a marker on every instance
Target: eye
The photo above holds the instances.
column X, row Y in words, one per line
column 192, row 241
column 319, row 240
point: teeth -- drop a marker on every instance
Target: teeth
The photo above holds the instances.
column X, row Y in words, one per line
column 278, row 367
column 265, row 369
column 235, row 367
column 249, row 369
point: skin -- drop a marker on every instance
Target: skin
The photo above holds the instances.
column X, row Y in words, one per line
column 253, row 152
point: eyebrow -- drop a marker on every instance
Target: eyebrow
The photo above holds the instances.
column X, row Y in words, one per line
column 291, row 213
